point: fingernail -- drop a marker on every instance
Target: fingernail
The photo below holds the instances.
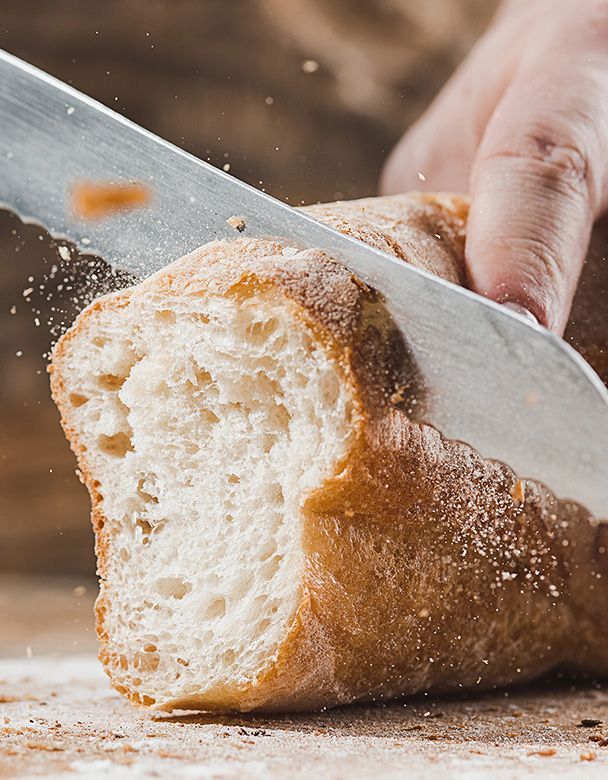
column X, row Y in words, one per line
column 521, row 310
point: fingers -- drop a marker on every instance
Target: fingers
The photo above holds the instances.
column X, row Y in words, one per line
column 523, row 127
column 537, row 185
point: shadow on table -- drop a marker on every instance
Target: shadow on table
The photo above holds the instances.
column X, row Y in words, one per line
column 571, row 709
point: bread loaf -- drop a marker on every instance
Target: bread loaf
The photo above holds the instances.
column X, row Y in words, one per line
column 273, row 531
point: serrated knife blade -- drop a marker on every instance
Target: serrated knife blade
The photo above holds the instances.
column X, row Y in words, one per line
column 481, row 365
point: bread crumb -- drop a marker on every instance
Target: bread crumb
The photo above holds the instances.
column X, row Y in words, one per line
column 97, row 200
column 238, row 223
column 398, row 397
column 44, row 746
column 518, row 493
column 544, row 753
column 590, row 756
column 169, row 754
column 310, row 66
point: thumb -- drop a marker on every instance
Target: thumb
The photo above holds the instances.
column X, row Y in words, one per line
column 534, row 195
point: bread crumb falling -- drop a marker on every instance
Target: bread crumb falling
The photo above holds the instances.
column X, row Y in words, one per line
column 310, row 66
column 97, row 200
column 238, row 223
column 64, row 252
column 398, row 396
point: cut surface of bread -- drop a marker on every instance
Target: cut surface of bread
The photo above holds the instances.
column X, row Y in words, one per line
column 206, row 420
column 273, row 532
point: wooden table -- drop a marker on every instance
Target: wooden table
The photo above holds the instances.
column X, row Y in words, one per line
column 60, row 718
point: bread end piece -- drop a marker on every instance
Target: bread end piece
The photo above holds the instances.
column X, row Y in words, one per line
column 205, row 406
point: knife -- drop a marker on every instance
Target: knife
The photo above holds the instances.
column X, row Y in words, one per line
column 481, row 365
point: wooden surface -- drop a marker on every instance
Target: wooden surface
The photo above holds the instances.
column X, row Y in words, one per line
column 60, row 718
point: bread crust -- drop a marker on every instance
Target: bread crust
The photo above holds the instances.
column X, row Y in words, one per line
column 427, row 568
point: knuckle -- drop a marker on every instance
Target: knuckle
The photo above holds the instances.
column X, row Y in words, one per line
column 567, row 160
column 561, row 164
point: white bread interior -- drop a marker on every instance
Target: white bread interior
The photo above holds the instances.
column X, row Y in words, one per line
column 207, row 421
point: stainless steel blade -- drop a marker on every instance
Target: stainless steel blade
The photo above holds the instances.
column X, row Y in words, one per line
column 514, row 391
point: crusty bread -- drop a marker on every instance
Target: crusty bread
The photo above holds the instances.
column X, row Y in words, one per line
column 273, row 532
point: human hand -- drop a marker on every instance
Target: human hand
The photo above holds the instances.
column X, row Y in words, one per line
column 523, row 127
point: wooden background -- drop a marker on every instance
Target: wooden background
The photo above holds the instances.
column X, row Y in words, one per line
column 226, row 79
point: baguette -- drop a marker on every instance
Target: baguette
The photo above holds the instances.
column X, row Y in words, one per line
column 273, row 531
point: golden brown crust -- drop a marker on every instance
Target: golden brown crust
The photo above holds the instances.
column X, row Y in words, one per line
column 427, row 568
column 427, row 231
